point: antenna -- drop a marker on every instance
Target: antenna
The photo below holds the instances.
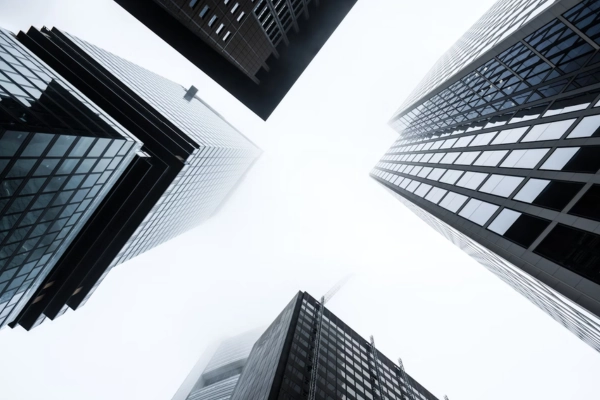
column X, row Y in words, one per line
column 312, row 391
column 336, row 288
column 409, row 388
column 376, row 365
column 446, row 398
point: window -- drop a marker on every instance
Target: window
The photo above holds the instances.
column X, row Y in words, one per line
column 483, row 139
column 551, row 131
column 193, row 3
column 453, row 201
column 436, row 145
column 464, row 141
column 422, row 190
column 239, row 18
column 478, row 211
column 451, row 176
column 424, row 172
column 501, row 185
column 235, row 7
column 491, row 158
column 574, row 249
column 436, row 174
column 471, row 180
column 589, row 205
column 212, row 20
column 413, row 186
column 435, row 195
column 588, row 127
column 524, row 158
column 549, row 194
column 467, row 158
column 436, row 158
column 448, row 143
column 510, row 135
column 220, row 28
column 204, row 11
column 586, row 160
column 522, row 229
column 560, row 158
column 449, row 158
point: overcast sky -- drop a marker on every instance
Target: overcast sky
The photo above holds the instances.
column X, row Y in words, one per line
column 306, row 215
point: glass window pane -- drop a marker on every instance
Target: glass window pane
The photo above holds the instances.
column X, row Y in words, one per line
column 501, row 185
column 588, row 127
column 435, row 195
column 510, row 135
column 436, row 174
column 524, row 158
column 530, row 191
column 560, row 158
column 37, row 145
column 471, row 180
column 10, row 143
column 451, row 176
column 453, row 201
column 483, row 139
column 61, row 146
column 467, row 158
column 491, row 158
column 478, row 211
column 21, row 168
column 46, row 167
column 551, row 131
column 422, row 190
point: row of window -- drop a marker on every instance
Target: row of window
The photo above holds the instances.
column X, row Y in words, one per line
column 587, row 127
column 571, row 159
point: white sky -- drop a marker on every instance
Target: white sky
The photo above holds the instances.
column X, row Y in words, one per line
column 306, row 215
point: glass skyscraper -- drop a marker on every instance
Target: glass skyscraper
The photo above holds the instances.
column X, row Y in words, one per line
column 309, row 353
column 255, row 49
column 499, row 150
column 186, row 161
column 60, row 155
column 216, row 374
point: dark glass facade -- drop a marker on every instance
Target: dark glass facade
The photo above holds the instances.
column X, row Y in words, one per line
column 190, row 161
column 281, row 363
column 255, row 49
column 59, row 156
column 504, row 149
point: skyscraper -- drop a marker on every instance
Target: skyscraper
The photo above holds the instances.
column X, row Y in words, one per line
column 304, row 354
column 216, row 373
column 255, row 49
column 190, row 161
column 499, row 150
column 60, row 156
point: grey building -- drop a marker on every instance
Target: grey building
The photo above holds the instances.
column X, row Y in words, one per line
column 309, row 353
column 216, row 373
column 186, row 162
column 499, row 149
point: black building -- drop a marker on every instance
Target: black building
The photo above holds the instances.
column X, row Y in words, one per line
column 189, row 162
column 499, row 150
column 283, row 361
column 255, row 49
